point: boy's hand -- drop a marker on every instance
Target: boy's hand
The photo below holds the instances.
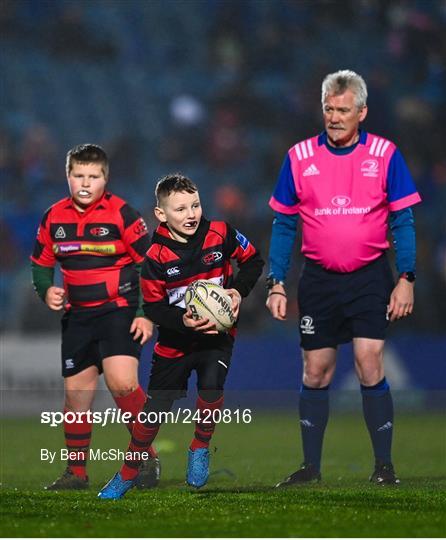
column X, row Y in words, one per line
column 143, row 329
column 55, row 297
column 236, row 298
column 201, row 325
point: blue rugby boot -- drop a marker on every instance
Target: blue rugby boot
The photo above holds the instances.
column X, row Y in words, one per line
column 198, row 467
column 116, row 488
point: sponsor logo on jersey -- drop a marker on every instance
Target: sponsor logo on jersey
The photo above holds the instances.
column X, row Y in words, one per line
column 140, row 227
column 69, row 363
column 174, row 271
column 66, row 248
column 306, row 325
column 370, row 168
column 312, row 170
column 107, row 249
column 99, row 231
column 341, row 207
column 60, row 233
column 212, row 257
column 125, row 288
column 341, row 200
column 242, row 240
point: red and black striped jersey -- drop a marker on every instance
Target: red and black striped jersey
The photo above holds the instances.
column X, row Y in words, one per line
column 97, row 250
column 170, row 266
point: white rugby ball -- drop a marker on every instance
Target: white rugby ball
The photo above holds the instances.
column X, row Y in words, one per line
column 208, row 300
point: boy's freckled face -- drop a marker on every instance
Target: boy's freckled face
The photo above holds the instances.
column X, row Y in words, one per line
column 182, row 212
column 87, row 183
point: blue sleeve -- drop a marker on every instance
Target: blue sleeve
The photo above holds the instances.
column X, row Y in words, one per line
column 283, row 236
column 400, row 183
column 285, row 190
column 402, row 225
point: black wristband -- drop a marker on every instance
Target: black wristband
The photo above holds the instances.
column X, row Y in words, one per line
column 277, row 292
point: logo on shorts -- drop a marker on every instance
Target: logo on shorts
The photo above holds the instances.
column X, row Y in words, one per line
column 99, row 231
column 210, row 258
column 60, row 233
column 174, row 271
column 306, row 325
column 69, row 363
column 370, row 168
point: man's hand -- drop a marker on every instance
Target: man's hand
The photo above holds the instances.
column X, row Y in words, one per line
column 276, row 302
column 236, row 298
column 55, row 297
column 143, row 328
column 401, row 300
column 201, row 325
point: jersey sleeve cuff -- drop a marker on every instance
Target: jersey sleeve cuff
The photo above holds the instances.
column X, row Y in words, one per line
column 405, row 202
column 279, row 207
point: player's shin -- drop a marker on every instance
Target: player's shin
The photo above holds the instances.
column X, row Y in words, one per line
column 378, row 414
column 77, row 440
column 313, row 410
column 206, row 417
column 133, row 403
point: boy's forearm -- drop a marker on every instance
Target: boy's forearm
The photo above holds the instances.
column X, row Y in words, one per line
column 169, row 317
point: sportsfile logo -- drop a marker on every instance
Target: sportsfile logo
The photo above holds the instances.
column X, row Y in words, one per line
column 370, row 168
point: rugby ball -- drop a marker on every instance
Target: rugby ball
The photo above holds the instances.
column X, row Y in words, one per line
column 208, row 300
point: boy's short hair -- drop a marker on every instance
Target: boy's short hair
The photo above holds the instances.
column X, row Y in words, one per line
column 173, row 183
column 87, row 153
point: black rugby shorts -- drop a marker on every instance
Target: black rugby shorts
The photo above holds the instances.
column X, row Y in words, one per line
column 89, row 336
column 336, row 307
column 169, row 376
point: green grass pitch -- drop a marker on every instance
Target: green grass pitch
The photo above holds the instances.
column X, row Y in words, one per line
column 247, row 460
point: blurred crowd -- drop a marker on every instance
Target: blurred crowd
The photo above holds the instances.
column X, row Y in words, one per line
column 219, row 90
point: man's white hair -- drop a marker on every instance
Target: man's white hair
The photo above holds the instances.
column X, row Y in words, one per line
column 337, row 83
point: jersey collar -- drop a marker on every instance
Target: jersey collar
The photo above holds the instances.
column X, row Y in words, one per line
column 162, row 236
column 322, row 139
column 100, row 204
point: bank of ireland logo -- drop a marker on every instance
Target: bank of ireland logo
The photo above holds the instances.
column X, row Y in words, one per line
column 306, row 325
column 370, row 168
column 341, row 200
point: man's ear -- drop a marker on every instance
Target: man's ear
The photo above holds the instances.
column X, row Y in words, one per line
column 160, row 214
column 363, row 113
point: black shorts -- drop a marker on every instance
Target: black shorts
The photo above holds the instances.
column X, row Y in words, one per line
column 336, row 307
column 169, row 376
column 91, row 335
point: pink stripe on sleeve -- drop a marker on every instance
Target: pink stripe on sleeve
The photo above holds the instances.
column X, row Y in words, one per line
column 279, row 207
column 405, row 202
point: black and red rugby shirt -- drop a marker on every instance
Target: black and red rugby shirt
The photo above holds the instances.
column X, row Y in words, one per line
column 97, row 250
column 170, row 266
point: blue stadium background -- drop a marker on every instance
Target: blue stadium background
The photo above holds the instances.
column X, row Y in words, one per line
column 219, row 90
